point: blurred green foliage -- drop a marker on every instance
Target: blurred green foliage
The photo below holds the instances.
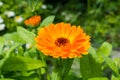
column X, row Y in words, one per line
column 99, row 18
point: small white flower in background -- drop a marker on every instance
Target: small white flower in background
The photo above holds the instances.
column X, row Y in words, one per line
column 1, row 20
column 43, row 6
column 6, row 48
column 9, row 14
column 1, row 3
column 12, row 42
column 18, row 19
column 28, row 45
column 9, row 42
column 63, row 13
column 68, row 17
column 2, row 27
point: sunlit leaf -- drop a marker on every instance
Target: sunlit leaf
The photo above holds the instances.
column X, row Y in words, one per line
column 115, row 78
column 89, row 67
column 26, row 35
column 105, row 49
column 14, row 37
column 92, row 51
column 14, row 64
column 117, row 61
column 32, row 63
column 18, row 63
column 111, row 64
column 47, row 21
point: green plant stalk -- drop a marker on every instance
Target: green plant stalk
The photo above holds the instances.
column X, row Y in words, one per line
column 30, row 4
column 88, row 5
column 41, row 57
column 67, row 63
column 56, row 74
column 48, row 77
column 39, row 73
column 61, row 69
column 33, row 9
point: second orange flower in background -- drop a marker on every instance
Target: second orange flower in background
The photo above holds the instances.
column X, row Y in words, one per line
column 33, row 21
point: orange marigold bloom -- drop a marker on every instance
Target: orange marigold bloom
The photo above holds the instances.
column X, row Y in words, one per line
column 63, row 40
column 33, row 21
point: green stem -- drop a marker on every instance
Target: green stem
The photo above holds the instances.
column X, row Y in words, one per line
column 41, row 57
column 88, row 5
column 39, row 73
column 48, row 76
column 61, row 69
column 33, row 9
column 56, row 74
column 30, row 4
column 67, row 63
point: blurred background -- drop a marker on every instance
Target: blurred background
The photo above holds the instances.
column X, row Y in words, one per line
column 99, row 18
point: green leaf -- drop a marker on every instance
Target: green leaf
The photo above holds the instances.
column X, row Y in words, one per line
column 18, row 63
column 7, row 55
column 99, row 78
column 26, row 35
column 14, row 36
column 93, row 52
column 105, row 50
column 48, row 20
column 14, row 64
column 89, row 67
column 115, row 78
column 111, row 64
column 2, row 41
column 32, row 63
column 117, row 61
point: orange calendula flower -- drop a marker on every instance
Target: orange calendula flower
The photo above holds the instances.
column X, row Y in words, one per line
column 63, row 40
column 33, row 21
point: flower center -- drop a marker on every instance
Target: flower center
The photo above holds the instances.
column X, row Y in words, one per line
column 61, row 42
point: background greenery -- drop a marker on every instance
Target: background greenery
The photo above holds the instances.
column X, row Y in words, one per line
column 99, row 18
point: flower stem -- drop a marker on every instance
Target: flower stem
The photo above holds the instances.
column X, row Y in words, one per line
column 61, row 69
